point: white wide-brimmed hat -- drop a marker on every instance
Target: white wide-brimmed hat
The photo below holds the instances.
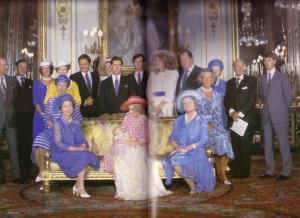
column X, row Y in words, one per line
column 186, row 93
column 163, row 52
column 45, row 62
column 62, row 63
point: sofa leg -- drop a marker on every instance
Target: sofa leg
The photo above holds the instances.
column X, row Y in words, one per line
column 46, row 186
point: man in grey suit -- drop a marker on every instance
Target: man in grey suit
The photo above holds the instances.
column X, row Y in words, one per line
column 7, row 121
column 276, row 94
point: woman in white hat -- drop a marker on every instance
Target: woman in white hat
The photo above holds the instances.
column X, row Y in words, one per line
column 39, row 92
column 62, row 68
column 162, row 84
column 189, row 138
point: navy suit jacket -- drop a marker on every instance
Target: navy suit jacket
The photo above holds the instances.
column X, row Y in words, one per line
column 191, row 82
column 108, row 98
column 140, row 90
column 276, row 97
column 88, row 111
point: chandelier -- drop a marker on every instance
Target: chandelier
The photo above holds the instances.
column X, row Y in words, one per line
column 291, row 4
column 251, row 34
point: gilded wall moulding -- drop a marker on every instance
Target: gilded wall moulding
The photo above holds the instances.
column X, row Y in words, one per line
column 63, row 14
column 212, row 8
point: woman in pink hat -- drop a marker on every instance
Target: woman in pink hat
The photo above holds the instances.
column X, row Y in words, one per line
column 135, row 175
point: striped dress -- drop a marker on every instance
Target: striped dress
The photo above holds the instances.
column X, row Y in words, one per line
column 52, row 113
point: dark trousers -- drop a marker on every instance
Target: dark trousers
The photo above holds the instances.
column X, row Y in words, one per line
column 24, row 135
column 241, row 145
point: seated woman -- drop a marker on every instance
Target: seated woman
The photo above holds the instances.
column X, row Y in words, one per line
column 135, row 176
column 70, row 147
column 63, row 68
column 44, row 140
column 189, row 138
column 210, row 107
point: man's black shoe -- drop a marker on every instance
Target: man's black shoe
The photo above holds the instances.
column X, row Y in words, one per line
column 265, row 176
column 282, row 178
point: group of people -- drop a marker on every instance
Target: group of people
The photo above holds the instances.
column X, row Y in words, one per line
column 46, row 114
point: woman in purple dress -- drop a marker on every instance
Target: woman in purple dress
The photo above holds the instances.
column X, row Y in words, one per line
column 219, row 85
column 44, row 140
column 189, row 138
column 39, row 92
column 70, row 150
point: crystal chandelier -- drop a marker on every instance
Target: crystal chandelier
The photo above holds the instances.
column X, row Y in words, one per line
column 251, row 34
column 291, row 4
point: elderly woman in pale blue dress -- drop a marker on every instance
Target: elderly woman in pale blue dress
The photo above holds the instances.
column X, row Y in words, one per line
column 219, row 84
column 210, row 107
column 44, row 140
column 189, row 139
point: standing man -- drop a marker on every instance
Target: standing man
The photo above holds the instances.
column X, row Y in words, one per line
column 139, row 76
column 276, row 95
column 188, row 76
column 239, row 102
column 7, row 119
column 24, row 110
column 116, row 89
column 88, row 84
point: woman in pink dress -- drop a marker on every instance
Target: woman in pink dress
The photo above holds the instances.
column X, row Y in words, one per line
column 136, row 178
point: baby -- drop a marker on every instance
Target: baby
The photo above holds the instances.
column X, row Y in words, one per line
column 122, row 137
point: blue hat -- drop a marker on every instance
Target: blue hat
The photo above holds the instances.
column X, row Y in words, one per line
column 62, row 79
column 186, row 93
column 59, row 100
column 216, row 62
column 209, row 70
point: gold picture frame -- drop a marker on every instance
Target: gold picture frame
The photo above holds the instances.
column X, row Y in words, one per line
column 105, row 6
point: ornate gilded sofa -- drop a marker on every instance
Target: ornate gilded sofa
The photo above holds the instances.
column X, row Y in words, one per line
column 99, row 136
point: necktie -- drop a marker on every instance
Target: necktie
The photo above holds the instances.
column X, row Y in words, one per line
column 184, row 78
column 3, row 88
column 269, row 79
column 237, row 82
column 116, row 86
column 22, row 82
column 139, row 79
column 88, row 83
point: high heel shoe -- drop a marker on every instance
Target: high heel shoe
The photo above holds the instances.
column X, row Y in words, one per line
column 75, row 190
column 83, row 195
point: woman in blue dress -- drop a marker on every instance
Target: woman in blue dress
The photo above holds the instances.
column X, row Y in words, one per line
column 219, row 84
column 70, row 149
column 210, row 107
column 39, row 92
column 189, row 138
column 44, row 140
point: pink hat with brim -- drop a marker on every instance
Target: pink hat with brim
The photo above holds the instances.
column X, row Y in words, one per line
column 133, row 100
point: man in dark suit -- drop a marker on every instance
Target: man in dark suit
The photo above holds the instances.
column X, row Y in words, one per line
column 7, row 118
column 116, row 89
column 88, row 84
column 188, row 76
column 239, row 102
column 139, row 76
column 24, row 117
column 276, row 95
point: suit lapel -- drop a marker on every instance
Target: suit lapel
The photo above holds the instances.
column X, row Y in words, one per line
column 273, row 80
column 111, row 86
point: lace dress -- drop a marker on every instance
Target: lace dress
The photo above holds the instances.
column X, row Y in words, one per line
column 136, row 177
column 68, row 134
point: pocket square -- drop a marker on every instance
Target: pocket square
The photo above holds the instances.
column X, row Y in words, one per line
column 246, row 87
column 125, row 86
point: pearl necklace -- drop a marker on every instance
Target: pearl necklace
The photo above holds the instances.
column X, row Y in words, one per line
column 188, row 119
column 47, row 78
column 206, row 90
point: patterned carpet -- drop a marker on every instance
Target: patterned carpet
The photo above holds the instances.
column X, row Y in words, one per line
column 247, row 198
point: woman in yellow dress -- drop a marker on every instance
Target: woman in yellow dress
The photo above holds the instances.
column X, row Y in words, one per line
column 62, row 68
